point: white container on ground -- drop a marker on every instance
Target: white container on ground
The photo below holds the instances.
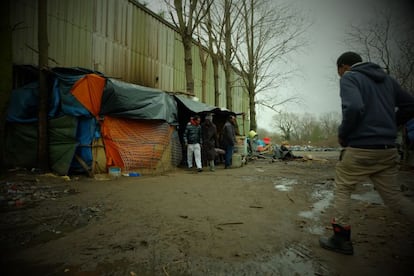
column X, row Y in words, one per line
column 237, row 160
column 241, row 146
column 114, row 172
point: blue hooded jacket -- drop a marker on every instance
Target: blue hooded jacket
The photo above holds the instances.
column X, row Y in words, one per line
column 370, row 99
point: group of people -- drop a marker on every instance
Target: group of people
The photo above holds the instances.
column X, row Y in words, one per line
column 203, row 143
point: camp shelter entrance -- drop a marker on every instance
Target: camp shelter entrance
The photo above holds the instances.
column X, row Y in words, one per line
column 188, row 107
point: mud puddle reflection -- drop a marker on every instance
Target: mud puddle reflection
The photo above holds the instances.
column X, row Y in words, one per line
column 323, row 200
column 370, row 196
column 284, row 184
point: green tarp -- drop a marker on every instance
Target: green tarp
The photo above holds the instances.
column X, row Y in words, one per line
column 21, row 144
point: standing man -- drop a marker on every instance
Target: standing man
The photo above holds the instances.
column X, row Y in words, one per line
column 209, row 131
column 228, row 140
column 193, row 141
column 368, row 132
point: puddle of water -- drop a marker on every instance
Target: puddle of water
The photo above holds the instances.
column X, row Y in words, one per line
column 283, row 188
column 284, row 184
column 316, row 230
column 370, row 197
column 318, row 206
column 325, row 198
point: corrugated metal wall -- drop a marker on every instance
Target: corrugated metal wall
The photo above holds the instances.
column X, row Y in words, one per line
column 118, row 38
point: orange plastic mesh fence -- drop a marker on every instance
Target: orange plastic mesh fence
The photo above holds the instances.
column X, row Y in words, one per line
column 141, row 144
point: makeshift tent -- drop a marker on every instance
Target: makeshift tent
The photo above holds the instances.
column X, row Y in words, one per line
column 140, row 144
column 136, row 122
column 96, row 122
column 70, row 125
column 188, row 107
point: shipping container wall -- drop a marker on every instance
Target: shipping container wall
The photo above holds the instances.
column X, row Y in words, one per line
column 119, row 38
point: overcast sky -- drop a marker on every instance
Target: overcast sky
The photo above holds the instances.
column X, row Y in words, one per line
column 317, row 82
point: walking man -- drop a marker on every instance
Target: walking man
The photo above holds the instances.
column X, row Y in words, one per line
column 228, row 140
column 209, row 131
column 368, row 132
column 193, row 141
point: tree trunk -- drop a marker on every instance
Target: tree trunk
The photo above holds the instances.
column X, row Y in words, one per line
column 227, row 62
column 43, row 153
column 253, row 124
column 229, row 96
column 188, row 60
column 214, row 59
column 6, row 76
column 252, row 69
column 203, row 60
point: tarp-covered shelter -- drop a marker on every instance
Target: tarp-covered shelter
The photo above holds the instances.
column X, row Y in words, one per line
column 96, row 122
column 188, row 107
column 71, row 127
column 90, row 117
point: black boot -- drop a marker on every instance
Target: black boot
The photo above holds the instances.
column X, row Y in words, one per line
column 340, row 241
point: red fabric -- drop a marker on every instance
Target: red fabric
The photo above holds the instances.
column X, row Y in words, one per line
column 113, row 158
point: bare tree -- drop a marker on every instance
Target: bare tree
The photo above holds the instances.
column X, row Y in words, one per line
column 287, row 123
column 203, row 55
column 6, row 74
column 329, row 123
column 268, row 33
column 214, row 42
column 217, row 27
column 186, row 16
column 388, row 41
column 306, row 127
column 229, row 22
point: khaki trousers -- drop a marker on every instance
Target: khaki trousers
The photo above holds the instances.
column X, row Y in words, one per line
column 378, row 165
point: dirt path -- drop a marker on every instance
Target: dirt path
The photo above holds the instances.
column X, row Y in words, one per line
column 261, row 219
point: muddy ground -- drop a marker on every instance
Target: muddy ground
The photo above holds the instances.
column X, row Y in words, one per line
column 261, row 219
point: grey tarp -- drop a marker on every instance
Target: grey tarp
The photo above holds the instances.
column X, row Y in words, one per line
column 196, row 106
column 126, row 100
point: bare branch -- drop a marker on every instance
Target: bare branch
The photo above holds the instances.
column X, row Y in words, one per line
column 389, row 43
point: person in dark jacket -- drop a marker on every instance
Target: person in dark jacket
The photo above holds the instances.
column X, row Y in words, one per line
column 367, row 133
column 228, row 141
column 193, row 141
column 209, row 130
